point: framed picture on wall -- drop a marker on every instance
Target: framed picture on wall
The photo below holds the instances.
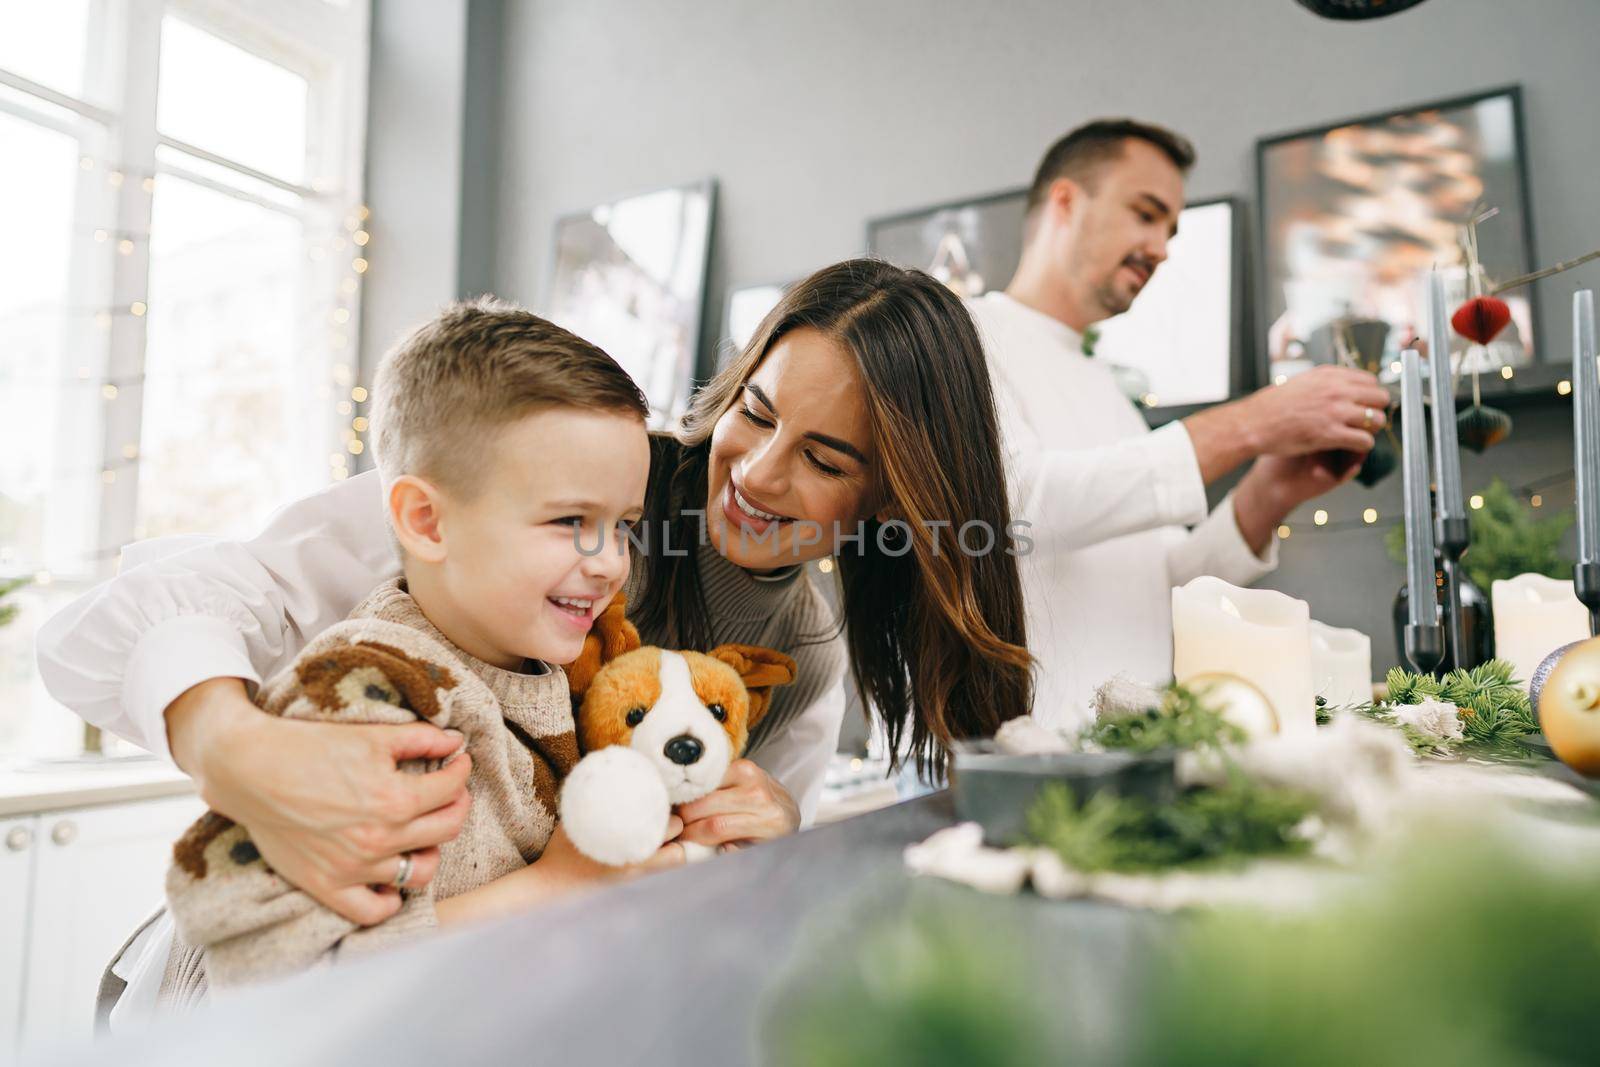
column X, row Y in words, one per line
column 1177, row 348
column 1355, row 213
column 972, row 246
column 630, row 276
column 1179, row 344
column 747, row 306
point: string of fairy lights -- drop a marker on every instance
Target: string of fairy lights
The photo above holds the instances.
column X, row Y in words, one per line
column 351, row 396
column 352, row 240
column 354, row 432
column 1532, row 492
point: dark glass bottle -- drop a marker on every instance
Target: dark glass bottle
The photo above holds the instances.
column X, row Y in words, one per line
column 1475, row 617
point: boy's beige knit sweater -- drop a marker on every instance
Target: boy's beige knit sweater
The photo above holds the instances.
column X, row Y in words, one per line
column 384, row 664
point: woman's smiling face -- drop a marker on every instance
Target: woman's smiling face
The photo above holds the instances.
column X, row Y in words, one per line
column 792, row 460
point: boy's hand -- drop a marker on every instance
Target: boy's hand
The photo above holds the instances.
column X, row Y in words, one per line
column 560, row 871
column 565, row 868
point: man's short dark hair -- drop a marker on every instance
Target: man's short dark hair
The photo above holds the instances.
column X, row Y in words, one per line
column 1081, row 153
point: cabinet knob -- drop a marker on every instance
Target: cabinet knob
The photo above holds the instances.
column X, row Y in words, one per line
column 64, row 832
column 19, row 838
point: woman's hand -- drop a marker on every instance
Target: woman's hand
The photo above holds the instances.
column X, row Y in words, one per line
column 324, row 802
column 749, row 806
column 560, row 871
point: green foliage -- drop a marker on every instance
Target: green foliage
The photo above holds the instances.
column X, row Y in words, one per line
column 8, row 612
column 1222, row 826
column 1404, row 687
column 1507, row 540
column 920, row 987
column 1465, row 955
column 1463, row 952
column 1181, row 721
column 1494, row 710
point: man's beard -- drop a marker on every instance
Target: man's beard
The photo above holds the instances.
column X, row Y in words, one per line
column 1111, row 295
column 1113, row 301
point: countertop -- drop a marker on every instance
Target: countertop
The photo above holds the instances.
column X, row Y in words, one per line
column 681, row 967
column 30, row 787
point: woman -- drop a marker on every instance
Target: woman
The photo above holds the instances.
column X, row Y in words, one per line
column 858, row 422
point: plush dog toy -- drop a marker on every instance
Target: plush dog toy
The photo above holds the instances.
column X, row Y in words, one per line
column 657, row 729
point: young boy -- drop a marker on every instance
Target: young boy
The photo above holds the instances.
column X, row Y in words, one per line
column 504, row 443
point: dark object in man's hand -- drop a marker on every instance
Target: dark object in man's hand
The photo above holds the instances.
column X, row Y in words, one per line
column 1356, row 9
column 1340, row 463
column 1379, row 463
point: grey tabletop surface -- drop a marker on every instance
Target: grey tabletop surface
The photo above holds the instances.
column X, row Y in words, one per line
column 686, row 967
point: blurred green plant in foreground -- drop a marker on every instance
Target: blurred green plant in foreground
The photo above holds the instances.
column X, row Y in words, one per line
column 932, row 986
column 1466, row 955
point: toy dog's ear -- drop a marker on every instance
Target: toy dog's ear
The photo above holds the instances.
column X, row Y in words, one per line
column 611, row 637
column 760, row 669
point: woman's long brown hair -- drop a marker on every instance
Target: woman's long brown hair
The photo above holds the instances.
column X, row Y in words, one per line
column 935, row 635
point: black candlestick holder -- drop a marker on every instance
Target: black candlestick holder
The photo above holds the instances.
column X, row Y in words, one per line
column 1586, row 583
column 1424, row 646
column 1453, row 534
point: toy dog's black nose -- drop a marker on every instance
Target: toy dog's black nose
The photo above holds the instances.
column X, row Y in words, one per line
column 684, row 750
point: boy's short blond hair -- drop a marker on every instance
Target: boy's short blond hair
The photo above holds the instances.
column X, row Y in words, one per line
column 483, row 363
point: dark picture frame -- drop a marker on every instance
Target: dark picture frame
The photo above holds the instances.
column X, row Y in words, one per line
column 956, row 240
column 1363, row 206
column 982, row 236
column 742, row 311
column 629, row 275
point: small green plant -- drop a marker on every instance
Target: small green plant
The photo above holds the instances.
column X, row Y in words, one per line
column 935, row 983
column 1182, row 720
column 1507, row 540
column 1494, row 711
column 1220, row 826
column 1464, row 950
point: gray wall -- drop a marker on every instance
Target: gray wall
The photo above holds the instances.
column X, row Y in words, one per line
column 415, row 167
column 433, row 137
column 817, row 115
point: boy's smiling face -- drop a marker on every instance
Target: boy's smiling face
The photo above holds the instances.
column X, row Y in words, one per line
column 500, row 571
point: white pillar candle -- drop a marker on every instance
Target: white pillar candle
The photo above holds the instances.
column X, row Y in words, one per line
column 1341, row 665
column 1262, row 636
column 1534, row 616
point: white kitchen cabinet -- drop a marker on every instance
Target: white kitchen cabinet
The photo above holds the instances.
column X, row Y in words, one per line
column 18, row 846
column 96, row 873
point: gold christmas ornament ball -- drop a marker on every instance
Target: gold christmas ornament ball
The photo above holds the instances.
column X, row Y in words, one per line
column 1569, row 707
column 1239, row 701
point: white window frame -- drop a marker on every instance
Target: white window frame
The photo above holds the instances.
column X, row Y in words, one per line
column 325, row 41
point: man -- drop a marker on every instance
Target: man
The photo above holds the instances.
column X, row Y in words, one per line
column 1110, row 502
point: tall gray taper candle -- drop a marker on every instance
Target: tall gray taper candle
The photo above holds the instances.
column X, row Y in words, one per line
column 1419, row 511
column 1446, row 452
column 1586, row 426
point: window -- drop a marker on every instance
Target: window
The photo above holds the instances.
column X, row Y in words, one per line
column 179, row 281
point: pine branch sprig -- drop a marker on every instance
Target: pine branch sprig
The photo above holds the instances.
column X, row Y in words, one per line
column 1181, row 721
column 1221, row 826
column 1493, row 709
